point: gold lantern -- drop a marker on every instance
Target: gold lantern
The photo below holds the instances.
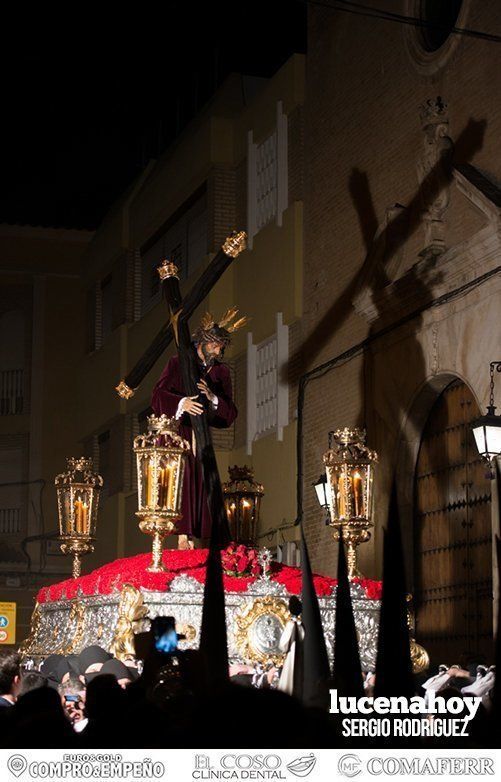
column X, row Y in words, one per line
column 160, row 454
column 242, row 500
column 77, row 500
column 350, row 472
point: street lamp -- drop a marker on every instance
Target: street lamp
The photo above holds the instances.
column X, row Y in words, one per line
column 323, row 487
column 487, row 428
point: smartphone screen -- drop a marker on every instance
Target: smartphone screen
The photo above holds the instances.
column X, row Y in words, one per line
column 164, row 632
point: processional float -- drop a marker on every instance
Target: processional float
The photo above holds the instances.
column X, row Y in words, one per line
column 111, row 604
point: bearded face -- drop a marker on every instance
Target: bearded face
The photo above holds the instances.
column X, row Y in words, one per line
column 210, row 352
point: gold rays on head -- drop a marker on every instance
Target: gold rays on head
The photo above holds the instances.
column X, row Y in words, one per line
column 229, row 315
column 208, row 321
column 238, row 324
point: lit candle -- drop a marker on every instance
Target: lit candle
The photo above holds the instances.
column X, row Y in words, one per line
column 149, row 486
column 230, row 510
column 166, row 486
column 84, row 518
column 78, row 515
column 176, row 475
column 357, row 493
column 161, row 487
column 246, row 520
column 340, row 496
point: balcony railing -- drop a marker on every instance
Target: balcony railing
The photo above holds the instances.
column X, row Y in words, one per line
column 11, row 392
column 10, row 521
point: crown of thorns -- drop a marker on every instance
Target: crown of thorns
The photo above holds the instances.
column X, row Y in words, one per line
column 212, row 331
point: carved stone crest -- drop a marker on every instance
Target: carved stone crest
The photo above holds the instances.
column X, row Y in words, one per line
column 434, row 172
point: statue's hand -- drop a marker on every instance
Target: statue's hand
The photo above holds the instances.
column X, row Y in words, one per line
column 191, row 406
column 204, row 388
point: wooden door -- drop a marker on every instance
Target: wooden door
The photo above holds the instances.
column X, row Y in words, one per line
column 453, row 544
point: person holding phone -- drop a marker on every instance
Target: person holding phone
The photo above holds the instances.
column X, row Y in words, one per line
column 72, row 693
column 164, row 631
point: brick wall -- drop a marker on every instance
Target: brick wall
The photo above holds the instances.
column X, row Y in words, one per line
column 294, row 367
column 363, row 141
column 241, row 195
column 221, row 201
column 331, row 402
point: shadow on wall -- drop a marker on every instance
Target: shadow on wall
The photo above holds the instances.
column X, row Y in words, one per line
column 382, row 247
column 375, row 275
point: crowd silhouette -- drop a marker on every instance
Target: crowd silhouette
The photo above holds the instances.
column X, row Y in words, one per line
column 169, row 699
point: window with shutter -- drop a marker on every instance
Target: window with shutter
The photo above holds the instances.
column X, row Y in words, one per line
column 12, row 491
column 12, row 359
column 267, row 394
column 267, row 177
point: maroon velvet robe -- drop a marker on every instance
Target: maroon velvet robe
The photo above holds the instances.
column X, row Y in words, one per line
column 167, row 394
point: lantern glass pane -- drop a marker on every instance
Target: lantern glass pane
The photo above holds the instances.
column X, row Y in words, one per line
column 357, row 494
column 479, row 434
column 68, row 525
column 339, row 499
column 81, row 511
column 493, row 439
column 146, row 475
column 166, row 479
column 488, row 439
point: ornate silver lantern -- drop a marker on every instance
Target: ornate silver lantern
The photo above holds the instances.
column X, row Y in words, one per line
column 350, row 473
column 160, row 454
column 77, row 501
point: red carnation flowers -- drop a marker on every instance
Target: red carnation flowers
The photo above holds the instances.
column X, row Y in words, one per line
column 240, row 561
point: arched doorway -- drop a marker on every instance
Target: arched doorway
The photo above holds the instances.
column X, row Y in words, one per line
column 452, row 534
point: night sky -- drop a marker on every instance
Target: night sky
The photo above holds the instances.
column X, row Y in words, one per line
column 86, row 104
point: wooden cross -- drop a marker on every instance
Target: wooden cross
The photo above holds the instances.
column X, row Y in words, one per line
column 232, row 247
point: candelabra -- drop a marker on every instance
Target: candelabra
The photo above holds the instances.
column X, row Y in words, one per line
column 77, row 492
column 350, row 471
column 161, row 455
